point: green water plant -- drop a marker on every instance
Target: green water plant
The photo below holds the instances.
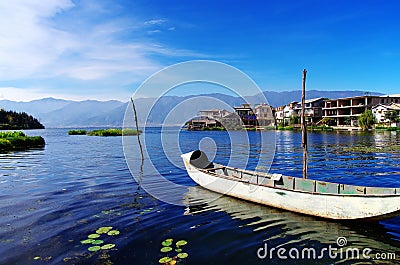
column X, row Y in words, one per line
column 113, row 233
column 104, row 230
column 182, row 255
column 114, row 132
column 17, row 140
column 94, row 248
column 176, row 255
column 93, row 236
column 97, row 239
column 108, row 246
column 77, row 132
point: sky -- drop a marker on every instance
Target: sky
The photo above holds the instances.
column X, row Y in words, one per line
column 104, row 49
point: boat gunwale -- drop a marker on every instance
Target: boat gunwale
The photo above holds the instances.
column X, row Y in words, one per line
column 256, row 173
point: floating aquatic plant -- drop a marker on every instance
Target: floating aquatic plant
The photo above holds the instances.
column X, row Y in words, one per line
column 87, row 241
column 165, row 260
column 181, row 243
column 113, row 233
column 167, row 243
column 94, row 248
column 108, row 246
column 166, row 249
column 104, row 229
column 97, row 242
column 183, row 255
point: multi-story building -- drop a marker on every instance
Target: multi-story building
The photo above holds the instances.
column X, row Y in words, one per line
column 313, row 109
column 247, row 115
column 208, row 118
column 380, row 111
column 279, row 114
column 264, row 114
column 345, row 111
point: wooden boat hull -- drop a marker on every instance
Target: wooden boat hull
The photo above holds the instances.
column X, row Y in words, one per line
column 332, row 206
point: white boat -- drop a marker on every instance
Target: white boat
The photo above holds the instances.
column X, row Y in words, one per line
column 302, row 195
column 306, row 196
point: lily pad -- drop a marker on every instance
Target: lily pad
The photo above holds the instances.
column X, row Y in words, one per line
column 108, row 246
column 178, row 250
column 104, row 230
column 93, row 236
column 181, row 243
column 166, row 249
column 113, row 233
column 37, row 258
column 164, row 260
column 166, row 243
column 94, row 248
column 172, row 262
column 87, row 241
column 183, row 255
column 97, row 242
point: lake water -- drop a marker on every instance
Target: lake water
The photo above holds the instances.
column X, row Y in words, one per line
column 53, row 198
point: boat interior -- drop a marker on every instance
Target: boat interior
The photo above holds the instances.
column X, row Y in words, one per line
column 199, row 160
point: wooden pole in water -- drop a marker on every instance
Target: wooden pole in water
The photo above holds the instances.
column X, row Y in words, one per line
column 304, row 126
column 137, row 129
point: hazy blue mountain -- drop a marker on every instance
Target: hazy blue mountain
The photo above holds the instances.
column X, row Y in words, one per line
column 170, row 110
column 39, row 106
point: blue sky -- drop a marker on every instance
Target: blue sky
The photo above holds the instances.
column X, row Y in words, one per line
column 105, row 49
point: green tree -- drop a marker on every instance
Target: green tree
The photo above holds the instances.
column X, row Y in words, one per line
column 392, row 116
column 328, row 121
column 366, row 120
column 294, row 119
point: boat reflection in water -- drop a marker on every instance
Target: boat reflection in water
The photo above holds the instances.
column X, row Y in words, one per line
column 287, row 229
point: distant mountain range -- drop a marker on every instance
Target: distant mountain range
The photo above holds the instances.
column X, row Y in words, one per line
column 89, row 113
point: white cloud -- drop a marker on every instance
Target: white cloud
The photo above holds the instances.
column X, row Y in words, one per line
column 27, row 42
column 156, row 21
column 154, row 31
column 51, row 40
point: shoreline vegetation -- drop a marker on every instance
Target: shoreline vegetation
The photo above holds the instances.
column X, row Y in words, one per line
column 266, row 128
column 105, row 132
column 17, row 140
column 12, row 120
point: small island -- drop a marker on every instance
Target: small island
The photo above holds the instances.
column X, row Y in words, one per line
column 17, row 140
column 106, row 132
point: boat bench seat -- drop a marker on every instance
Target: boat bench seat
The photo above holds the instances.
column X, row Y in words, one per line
column 376, row 190
column 305, row 185
column 327, row 187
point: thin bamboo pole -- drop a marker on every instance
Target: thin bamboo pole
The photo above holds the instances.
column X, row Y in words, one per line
column 304, row 127
column 137, row 129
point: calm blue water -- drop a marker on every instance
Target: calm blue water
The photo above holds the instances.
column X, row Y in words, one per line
column 53, row 198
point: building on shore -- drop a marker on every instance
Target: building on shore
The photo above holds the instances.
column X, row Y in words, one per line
column 247, row 115
column 208, row 119
column 313, row 109
column 381, row 110
column 264, row 114
column 243, row 116
column 345, row 111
